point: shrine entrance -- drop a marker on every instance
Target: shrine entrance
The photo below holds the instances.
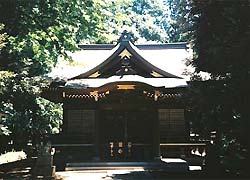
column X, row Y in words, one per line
column 126, row 134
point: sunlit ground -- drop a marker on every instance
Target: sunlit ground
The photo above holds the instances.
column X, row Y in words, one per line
column 124, row 172
column 119, row 174
column 195, row 168
column 12, row 156
column 99, row 174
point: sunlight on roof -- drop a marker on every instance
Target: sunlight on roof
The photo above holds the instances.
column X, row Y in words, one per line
column 169, row 60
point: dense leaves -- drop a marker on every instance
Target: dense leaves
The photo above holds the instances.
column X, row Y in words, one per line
column 24, row 112
column 4, row 79
column 40, row 31
column 179, row 27
column 145, row 19
column 221, row 46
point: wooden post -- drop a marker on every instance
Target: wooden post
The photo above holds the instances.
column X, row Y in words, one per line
column 65, row 120
column 97, row 145
column 156, row 136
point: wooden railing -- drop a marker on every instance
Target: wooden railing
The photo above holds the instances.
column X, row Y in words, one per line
column 194, row 153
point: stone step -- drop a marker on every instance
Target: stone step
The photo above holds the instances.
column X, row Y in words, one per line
column 106, row 165
column 83, row 168
column 173, row 165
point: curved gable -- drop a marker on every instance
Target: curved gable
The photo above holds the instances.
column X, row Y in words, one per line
column 126, row 60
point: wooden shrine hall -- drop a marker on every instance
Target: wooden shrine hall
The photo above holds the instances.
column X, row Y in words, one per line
column 125, row 106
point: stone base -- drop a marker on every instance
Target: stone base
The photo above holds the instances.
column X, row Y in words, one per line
column 157, row 157
column 175, row 165
column 44, row 171
column 44, row 161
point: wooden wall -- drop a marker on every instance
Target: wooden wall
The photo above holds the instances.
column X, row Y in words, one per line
column 81, row 123
column 171, row 125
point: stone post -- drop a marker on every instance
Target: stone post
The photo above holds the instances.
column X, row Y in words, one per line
column 44, row 164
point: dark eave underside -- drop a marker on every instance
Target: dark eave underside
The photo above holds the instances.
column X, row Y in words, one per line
column 60, row 93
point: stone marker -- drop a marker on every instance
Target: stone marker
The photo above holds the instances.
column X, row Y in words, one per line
column 44, row 164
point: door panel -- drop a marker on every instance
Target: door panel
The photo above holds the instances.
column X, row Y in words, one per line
column 126, row 134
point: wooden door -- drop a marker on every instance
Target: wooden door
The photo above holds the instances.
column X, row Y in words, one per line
column 126, row 134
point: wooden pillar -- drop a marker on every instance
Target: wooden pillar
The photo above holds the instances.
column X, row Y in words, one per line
column 65, row 120
column 156, row 136
column 97, row 145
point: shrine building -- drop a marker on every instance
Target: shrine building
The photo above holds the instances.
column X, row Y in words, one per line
column 124, row 107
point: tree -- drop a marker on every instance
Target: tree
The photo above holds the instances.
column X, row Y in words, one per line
column 222, row 37
column 144, row 19
column 179, row 25
column 3, row 129
column 38, row 33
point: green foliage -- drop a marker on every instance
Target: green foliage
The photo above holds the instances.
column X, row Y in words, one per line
column 42, row 119
column 3, row 80
column 228, row 32
column 179, row 26
column 143, row 18
column 25, row 113
column 221, row 46
column 3, row 36
column 40, row 31
column 4, row 130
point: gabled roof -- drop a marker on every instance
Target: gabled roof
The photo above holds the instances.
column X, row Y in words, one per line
column 177, row 45
column 126, row 59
